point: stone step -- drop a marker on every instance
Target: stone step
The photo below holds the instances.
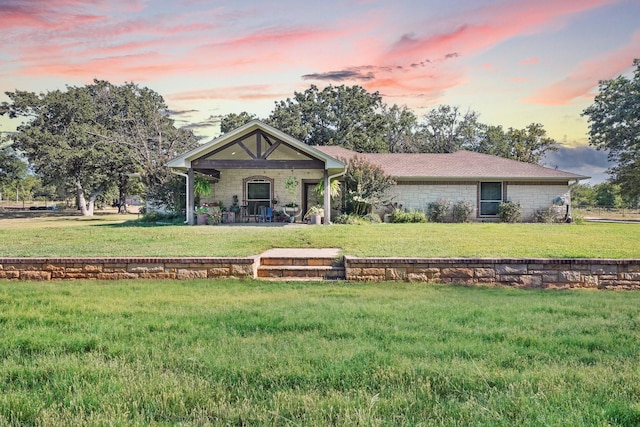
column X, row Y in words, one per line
column 301, row 272
column 290, row 261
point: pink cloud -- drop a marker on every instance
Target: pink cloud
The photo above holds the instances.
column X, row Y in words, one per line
column 482, row 28
column 585, row 77
column 245, row 93
column 529, row 61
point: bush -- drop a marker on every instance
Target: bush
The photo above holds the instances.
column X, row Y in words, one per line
column 413, row 216
column 372, row 218
column 462, row 209
column 550, row 215
column 353, row 219
column 509, row 211
column 347, row 219
column 437, row 211
column 153, row 217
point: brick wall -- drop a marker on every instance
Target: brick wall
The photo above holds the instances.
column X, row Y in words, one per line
column 529, row 273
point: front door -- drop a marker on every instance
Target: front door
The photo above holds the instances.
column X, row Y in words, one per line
column 258, row 194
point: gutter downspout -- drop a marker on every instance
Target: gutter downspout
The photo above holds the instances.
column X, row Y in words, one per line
column 327, row 195
column 188, row 209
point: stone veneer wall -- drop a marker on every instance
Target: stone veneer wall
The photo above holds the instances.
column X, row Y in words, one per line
column 534, row 197
column 528, row 273
column 125, row 268
column 230, row 184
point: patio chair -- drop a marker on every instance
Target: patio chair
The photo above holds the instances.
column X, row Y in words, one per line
column 266, row 214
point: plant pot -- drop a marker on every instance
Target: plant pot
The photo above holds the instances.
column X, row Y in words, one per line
column 201, row 219
column 315, row 219
column 291, row 210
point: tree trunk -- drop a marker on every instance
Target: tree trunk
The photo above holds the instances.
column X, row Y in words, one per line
column 82, row 202
column 87, row 208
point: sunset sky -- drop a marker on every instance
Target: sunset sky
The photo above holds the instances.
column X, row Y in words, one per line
column 513, row 61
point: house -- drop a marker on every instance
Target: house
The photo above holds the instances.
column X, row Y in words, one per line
column 482, row 179
column 254, row 160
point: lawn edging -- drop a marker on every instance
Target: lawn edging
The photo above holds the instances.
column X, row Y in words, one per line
column 519, row 272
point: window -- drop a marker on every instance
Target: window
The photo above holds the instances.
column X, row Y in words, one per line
column 258, row 194
column 490, row 198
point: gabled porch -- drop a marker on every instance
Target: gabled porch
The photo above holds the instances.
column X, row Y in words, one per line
column 253, row 162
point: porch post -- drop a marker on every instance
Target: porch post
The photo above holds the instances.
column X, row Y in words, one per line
column 190, row 198
column 327, row 199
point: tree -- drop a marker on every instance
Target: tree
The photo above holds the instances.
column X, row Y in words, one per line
column 607, row 194
column 59, row 143
column 525, row 145
column 136, row 120
column 13, row 169
column 400, row 129
column 583, row 195
column 231, row 121
column 349, row 117
column 97, row 136
column 614, row 126
column 446, row 129
column 366, row 185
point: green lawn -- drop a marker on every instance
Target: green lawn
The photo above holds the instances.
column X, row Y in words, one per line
column 113, row 236
column 255, row 353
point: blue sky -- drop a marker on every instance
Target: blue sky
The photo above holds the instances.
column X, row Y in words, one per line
column 515, row 62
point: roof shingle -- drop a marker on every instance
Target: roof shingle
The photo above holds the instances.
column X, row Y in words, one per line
column 458, row 165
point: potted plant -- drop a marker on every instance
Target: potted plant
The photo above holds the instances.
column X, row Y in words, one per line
column 315, row 214
column 201, row 188
column 291, row 185
column 202, row 213
column 235, row 207
column 215, row 216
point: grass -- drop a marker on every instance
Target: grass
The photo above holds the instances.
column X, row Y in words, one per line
column 252, row 353
column 113, row 235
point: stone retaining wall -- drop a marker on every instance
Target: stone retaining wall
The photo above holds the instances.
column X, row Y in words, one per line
column 528, row 273
column 124, row 268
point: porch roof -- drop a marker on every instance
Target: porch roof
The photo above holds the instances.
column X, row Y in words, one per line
column 194, row 158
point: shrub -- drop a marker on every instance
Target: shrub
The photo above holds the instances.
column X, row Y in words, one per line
column 366, row 184
column 354, row 219
column 171, row 217
column 347, row 219
column 413, row 216
column 372, row 218
column 509, row 211
column 462, row 209
column 578, row 219
column 437, row 211
column 549, row 215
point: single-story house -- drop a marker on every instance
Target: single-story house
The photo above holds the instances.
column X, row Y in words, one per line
column 254, row 160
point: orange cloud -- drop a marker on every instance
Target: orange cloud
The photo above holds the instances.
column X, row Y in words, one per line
column 585, row 77
column 245, row 93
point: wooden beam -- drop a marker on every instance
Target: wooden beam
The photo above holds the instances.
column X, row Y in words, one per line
column 245, row 148
column 259, row 145
column 270, row 150
column 258, row 164
column 227, row 145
